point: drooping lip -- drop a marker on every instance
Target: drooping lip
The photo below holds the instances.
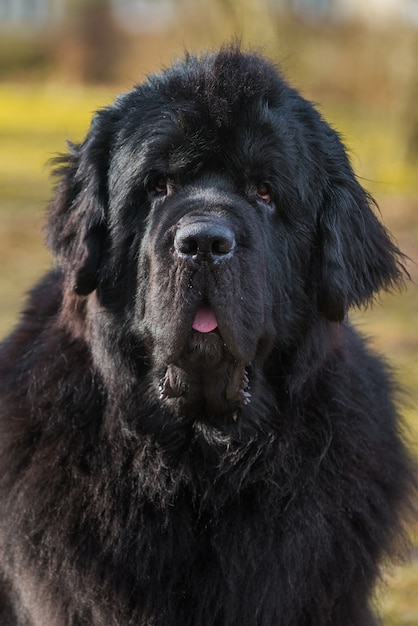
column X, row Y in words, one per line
column 210, row 320
column 208, row 323
column 205, row 319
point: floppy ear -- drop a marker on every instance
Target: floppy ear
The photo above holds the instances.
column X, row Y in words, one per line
column 76, row 226
column 358, row 256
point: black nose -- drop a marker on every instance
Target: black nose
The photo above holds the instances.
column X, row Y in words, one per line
column 203, row 240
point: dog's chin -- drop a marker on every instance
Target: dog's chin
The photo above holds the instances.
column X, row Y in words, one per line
column 204, row 378
column 205, row 350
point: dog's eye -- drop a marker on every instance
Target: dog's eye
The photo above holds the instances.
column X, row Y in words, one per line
column 263, row 192
column 160, row 186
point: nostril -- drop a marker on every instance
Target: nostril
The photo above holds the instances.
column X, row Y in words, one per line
column 222, row 245
column 204, row 240
column 187, row 246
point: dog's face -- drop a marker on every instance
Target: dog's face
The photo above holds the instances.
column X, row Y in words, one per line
column 211, row 216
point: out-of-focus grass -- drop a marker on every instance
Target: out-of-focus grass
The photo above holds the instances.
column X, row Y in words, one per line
column 396, row 598
column 34, row 125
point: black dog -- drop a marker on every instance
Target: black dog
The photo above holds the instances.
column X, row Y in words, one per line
column 191, row 432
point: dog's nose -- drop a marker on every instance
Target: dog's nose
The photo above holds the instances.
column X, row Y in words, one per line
column 201, row 241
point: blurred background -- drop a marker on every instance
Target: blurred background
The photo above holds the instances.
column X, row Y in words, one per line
column 60, row 60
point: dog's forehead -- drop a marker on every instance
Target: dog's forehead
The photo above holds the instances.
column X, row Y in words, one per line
column 176, row 133
column 182, row 142
column 208, row 106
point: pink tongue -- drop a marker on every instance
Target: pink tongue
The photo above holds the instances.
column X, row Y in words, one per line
column 205, row 320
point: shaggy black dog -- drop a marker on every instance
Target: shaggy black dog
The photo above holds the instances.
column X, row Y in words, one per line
column 191, row 432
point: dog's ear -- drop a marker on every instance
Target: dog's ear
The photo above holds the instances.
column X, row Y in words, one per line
column 76, row 226
column 358, row 257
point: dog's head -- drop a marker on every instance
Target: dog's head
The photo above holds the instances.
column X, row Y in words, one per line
column 212, row 216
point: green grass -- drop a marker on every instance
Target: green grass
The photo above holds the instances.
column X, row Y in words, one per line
column 34, row 125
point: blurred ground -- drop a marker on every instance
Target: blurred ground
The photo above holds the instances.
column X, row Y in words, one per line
column 366, row 80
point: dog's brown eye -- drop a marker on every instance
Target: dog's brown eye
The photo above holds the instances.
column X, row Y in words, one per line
column 263, row 192
column 160, row 186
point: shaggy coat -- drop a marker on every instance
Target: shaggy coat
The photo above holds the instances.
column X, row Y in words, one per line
column 191, row 433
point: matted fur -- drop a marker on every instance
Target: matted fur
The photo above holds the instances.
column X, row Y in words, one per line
column 155, row 475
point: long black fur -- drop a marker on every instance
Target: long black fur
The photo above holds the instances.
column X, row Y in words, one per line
column 154, row 475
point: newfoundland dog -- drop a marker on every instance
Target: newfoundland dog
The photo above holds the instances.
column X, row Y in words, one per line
column 191, row 432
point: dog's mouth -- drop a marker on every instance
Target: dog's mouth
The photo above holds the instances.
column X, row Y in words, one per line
column 207, row 339
column 205, row 320
column 205, row 359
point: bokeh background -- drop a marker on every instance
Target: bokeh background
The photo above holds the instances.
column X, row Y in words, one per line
column 60, row 60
